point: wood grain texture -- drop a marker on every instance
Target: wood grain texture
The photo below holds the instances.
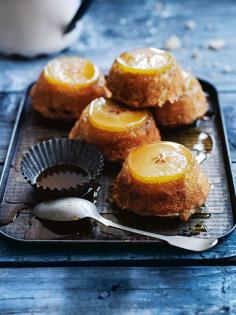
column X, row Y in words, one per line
column 127, row 291
column 119, row 291
column 22, row 254
column 132, row 24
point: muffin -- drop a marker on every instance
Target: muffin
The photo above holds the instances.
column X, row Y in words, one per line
column 191, row 106
column 161, row 179
column 66, row 86
column 115, row 129
column 146, row 77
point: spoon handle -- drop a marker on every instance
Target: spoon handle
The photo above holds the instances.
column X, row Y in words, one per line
column 189, row 243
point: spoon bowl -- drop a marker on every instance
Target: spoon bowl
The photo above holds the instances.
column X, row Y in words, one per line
column 65, row 209
column 72, row 209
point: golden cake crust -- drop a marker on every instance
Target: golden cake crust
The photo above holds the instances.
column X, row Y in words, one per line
column 63, row 102
column 191, row 106
column 177, row 197
column 115, row 145
column 145, row 90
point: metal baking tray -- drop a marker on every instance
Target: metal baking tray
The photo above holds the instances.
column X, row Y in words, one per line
column 216, row 219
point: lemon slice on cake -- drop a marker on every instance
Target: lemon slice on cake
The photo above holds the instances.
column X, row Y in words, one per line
column 105, row 114
column 71, row 71
column 159, row 162
column 145, row 60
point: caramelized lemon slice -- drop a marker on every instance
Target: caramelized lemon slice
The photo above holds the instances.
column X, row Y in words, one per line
column 71, row 71
column 107, row 115
column 145, row 60
column 159, row 162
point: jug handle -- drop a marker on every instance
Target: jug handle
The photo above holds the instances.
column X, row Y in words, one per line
column 79, row 13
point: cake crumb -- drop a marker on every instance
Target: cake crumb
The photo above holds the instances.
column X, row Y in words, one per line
column 123, row 21
column 152, row 30
column 195, row 54
column 172, row 43
column 207, row 64
column 215, row 64
column 190, row 25
column 208, row 27
column 158, row 7
column 149, row 23
column 227, row 69
column 216, row 44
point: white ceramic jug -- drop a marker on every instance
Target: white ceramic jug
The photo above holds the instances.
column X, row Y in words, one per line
column 34, row 27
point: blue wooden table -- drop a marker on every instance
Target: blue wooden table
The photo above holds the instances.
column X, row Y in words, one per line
column 40, row 279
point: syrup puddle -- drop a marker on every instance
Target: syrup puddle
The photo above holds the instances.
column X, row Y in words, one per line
column 79, row 229
column 203, row 147
column 63, row 176
column 193, row 230
column 198, row 228
column 201, row 213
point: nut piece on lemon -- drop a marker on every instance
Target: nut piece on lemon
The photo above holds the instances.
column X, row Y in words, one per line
column 114, row 128
column 145, row 77
column 191, row 106
column 66, row 86
column 161, row 179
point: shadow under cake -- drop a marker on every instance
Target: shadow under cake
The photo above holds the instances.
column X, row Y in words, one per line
column 66, row 86
column 114, row 128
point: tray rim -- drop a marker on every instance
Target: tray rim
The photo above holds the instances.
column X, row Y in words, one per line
column 207, row 86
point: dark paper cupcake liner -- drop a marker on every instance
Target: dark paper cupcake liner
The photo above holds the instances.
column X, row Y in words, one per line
column 61, row 152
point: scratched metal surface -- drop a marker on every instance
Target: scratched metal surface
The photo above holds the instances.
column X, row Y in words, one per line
column 215, row 219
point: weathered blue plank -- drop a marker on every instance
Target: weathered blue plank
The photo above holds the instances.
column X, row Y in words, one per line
column 146, row 291
column 114, row 26
column 132, row 24
column 111, row 27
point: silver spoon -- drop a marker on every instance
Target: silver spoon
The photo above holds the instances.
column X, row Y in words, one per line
column 71, row 209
